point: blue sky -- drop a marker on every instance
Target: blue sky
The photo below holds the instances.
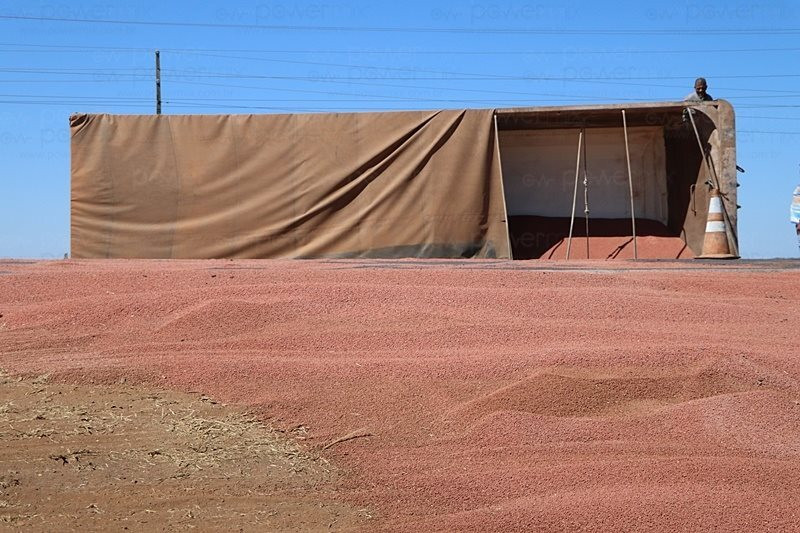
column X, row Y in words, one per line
column 283, row 56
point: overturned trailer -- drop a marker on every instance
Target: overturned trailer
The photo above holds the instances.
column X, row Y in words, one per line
column 489, row 183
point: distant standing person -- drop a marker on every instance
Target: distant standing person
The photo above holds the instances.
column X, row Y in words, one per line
column 699, row 94
column 794, row 213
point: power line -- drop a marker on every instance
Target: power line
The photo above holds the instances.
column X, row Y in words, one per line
column 453, row 89
column 116, row 79
column 131, row 105
column 460, row 89
column 697, row 32
column 359, row 97
column 496, row 91
column 33, row 47
column 222, row 100
column 70, row 99
column 133, row 78
column 93, row 97
column 65, row 103
column 206, row 104
column 585, row 80
column 770, row 132
column 100, row 75
column 82, row 48
column 126, row 76
column 747, row 106
column 443, row 74
column 71, row 70
column 447, row 77
column 415, row 87
column 796, row 119
column 491, row 76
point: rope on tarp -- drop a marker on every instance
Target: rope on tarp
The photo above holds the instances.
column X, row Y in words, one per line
column 630, row 184
column 575, row 192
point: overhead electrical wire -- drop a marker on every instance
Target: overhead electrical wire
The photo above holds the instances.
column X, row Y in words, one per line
column 484, row 77
column 516, row 93
column 748, row 106
column 360, row 98
column 770, row 132
column 367, row 84
column 443, row 74
column 568, row 51
column 189, row 76
column 490, row 76
column 147, row 78
column 63, row 71
column 475, row 78
column 108, row 75
column 404, row 86
column 796, row 119
column 210, row 103
column 115, row 79
column 559, row 95
column 698, row 32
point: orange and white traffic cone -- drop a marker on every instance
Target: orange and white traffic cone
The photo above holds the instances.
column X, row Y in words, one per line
column 715, row 244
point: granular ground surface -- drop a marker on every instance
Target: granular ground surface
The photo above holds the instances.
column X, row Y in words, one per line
column 463, row 395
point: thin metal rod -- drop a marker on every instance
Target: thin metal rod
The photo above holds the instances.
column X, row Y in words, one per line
column 575, row 192
column 630, row 184
column 586, row 197
column 158, row 82
column 711, row 173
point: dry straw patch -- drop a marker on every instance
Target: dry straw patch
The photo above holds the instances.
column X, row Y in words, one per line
column 124, row 456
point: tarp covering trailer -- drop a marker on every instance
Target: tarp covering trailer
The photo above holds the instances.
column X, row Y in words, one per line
column 486, row 183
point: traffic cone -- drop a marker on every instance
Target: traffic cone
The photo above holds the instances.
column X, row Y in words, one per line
column 715, row 244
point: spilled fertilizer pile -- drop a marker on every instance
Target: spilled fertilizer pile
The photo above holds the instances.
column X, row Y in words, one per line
column 411, row 395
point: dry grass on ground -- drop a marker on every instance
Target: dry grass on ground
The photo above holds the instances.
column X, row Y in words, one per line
column 123, row 457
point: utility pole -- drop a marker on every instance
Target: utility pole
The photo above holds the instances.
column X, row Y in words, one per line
column 158, row 82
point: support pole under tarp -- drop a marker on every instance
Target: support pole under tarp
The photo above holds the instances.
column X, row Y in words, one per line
column 575, row 191
column 586, row 198
column 630, row 184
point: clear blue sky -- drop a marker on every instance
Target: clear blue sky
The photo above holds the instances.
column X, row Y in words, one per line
column 294, row 61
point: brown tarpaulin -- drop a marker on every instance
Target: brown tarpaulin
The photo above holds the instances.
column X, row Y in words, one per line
column 406, row 184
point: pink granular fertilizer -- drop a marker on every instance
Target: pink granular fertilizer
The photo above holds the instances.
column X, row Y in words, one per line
column 465, row 395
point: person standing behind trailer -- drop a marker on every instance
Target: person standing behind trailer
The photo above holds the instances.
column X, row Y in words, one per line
column 699, row 94
column 794, row 213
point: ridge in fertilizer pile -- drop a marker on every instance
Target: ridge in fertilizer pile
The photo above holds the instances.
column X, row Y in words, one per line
column 463, row 396
column 565, row 392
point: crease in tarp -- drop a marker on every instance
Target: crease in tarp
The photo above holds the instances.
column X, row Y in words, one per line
column 345, row 187
column 394, row 187
column 174, row 223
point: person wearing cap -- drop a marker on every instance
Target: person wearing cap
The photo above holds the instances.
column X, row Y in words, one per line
column 699, row 94
column 794, row 212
